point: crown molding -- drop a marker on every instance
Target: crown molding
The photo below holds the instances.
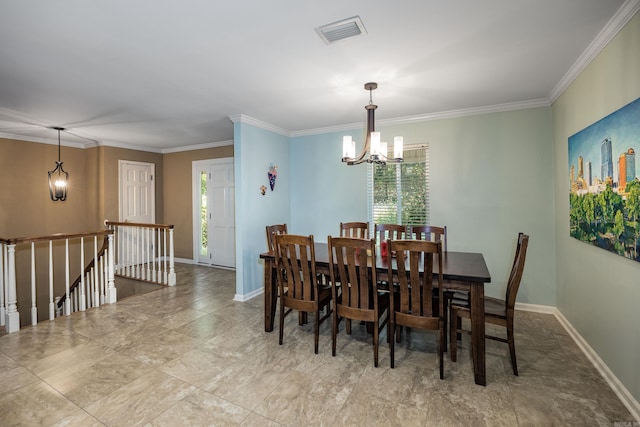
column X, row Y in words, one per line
column 615, row 24
column 197, row 147
column 47, row 141
column 243, row 118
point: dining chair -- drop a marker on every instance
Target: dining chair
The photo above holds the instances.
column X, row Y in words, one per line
column 434, row 233
column 355, row 289
column 496, row 311
column 413, row 303
column 384, row 232
column 430, row 233
column 298, row 281
column 274, row 229
column 359, row 230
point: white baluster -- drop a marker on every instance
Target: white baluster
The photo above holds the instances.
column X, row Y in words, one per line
column 82, row 296
column 52, row 312
column 149, row 252
column 164, row 252
column 3, row 287
column 172, row 270
column 34, row 309
column 96, row 295
column 111, row 289
column 102, row 258
column 12, row 317
column 67, row 301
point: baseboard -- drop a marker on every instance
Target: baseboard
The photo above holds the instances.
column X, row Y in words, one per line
column 250, row 295
column 184, row 260
column 618, row 388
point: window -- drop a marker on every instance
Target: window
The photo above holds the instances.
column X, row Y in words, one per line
column 399, row 193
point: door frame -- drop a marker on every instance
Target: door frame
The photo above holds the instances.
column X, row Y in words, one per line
column 195, row 198
column 120, row 192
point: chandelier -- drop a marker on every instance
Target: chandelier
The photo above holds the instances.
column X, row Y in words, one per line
column 374, row 150
column 58, row 177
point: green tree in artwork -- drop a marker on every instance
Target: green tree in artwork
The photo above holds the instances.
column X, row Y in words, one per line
column 633, row 210
column 618, row 224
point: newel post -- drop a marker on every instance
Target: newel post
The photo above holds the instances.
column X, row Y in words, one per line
column 172, row 269
column 12, row 317
column 112, row 292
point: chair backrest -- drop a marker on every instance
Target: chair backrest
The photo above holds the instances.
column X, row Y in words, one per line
column 274, row 229
column 384, row 232
column 516, row 271
column 349, row 265
column 296, row 266
column 430, row 233
column 415, row 279
column 359, row 230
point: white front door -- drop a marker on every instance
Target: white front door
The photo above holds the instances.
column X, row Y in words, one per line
column 214, row 211
column 137, row 192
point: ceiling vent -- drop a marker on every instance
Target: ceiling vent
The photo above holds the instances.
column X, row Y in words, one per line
column 350, row 27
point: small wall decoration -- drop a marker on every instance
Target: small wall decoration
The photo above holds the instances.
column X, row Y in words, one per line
column 263, row 189
column 272, row 174
column 604, row 195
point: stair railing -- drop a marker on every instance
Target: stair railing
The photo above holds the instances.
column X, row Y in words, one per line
column 99, row 280
column 144, row 251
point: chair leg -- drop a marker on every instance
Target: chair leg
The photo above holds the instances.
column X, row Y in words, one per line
column 392, row 329
column 281, row 320
column 441, row 344
column 453, row 334
column 316, row 330
column 334, row 330
column 512, row 346
column 376, row 330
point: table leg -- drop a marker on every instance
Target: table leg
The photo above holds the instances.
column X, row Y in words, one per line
column 270, row 295
column 477, row 333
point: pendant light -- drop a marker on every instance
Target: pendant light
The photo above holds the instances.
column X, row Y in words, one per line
column 374, row 150
column 58, row 178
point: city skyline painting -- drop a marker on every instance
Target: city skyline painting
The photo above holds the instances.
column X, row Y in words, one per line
column 604, row 197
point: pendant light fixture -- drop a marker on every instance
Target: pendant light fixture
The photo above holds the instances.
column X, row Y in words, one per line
column 374, row 150
column 58, row 178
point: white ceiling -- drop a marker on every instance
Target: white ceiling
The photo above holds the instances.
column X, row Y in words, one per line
column 164, row 74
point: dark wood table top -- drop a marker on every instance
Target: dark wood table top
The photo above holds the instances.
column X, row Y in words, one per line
column 456, row 266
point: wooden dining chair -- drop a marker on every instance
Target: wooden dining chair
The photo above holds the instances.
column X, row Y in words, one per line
column 359, row 230
column 298, row 281
column 412, row 305
column 274, row 229
column 384, row 232
column 430, row 233
column 354, row 286
column 496, row 311
column 434, row 233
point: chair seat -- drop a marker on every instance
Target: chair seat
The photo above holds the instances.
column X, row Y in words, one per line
column 495, row 307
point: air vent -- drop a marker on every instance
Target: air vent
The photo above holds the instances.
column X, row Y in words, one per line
column 350, row 27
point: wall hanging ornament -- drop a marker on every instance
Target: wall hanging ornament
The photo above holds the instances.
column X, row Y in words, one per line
column 263, row 189
column 272, row 174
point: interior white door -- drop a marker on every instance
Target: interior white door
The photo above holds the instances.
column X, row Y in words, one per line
column 137, row 192
column 214, row 212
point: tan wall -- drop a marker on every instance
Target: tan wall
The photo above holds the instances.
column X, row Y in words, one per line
column 177, row 187
column 25, row 206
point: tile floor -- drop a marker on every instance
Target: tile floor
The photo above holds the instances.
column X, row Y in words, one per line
column 190, row 355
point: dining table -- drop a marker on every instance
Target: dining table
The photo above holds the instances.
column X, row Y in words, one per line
column 464, row 271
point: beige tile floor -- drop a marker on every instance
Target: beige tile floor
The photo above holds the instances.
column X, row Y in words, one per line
column 190, row 355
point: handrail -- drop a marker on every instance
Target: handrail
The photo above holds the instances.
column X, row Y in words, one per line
column 139, row 224
column 58, row 236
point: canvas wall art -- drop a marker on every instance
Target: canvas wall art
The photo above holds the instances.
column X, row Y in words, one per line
column 604, row 198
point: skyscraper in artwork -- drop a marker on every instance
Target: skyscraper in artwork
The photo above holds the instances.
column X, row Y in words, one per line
column 606, row 169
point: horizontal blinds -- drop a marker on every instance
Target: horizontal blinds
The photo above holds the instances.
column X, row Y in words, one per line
column 398, row 193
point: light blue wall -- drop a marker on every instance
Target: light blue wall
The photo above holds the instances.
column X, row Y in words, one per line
column 491, row 177
column 325, row 191
column 599, row 292
column 255, row 149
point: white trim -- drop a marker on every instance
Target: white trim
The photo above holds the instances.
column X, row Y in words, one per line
column 198, row 146
column 618, row 388
column 615, row 24
column 185, row 261
column 243, row 118
column 250, row 295
column 34, row 139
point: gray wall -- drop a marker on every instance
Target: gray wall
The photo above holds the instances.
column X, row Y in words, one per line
column 598, row 292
